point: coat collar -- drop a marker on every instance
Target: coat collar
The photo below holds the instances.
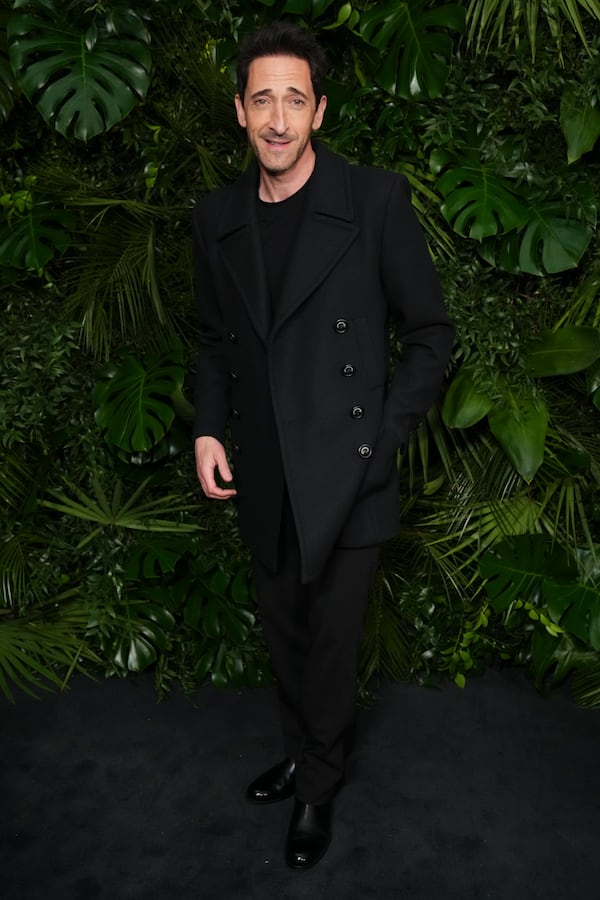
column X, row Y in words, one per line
column 324, row 235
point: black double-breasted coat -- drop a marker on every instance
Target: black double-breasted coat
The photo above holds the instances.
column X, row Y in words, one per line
column 307, row 394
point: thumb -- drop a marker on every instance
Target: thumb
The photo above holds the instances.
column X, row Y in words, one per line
column 223, row 467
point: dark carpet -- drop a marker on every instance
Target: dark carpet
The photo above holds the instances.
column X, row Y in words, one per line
column 490, row 792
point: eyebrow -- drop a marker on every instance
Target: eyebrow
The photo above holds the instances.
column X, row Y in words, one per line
column 290, row 90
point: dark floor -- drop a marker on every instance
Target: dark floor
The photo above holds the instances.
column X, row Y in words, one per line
column 489, row 792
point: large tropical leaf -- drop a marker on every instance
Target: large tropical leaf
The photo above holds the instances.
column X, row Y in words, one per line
column 519, row 424
column 479, row 202
column 134, row 409
column 555, row 656
column 514, row 568
column 575, row 607
column 564, row 351
column 465, row 404
column 218, row 603
column 31, row 239
column 83, row 78
column 553, row 239
column 415, row 43
column 134, row 633
column 157, row 555
column 580, row 124
column 518, row 230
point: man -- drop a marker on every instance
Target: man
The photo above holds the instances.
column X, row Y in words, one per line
column 299, row 267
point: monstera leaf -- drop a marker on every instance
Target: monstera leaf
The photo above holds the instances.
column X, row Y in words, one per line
column 218, row 603
column 414, row 43
column 479, row 202
column 83, row 75
column 32, row 238
column 553, row 240
column 517, row 230
column 575, row 607
column 141, row 628
column 134, row 406
column 580, row 123
column 156, row 555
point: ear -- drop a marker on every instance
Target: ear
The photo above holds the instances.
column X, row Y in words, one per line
column 239, row 108
column 319, row 113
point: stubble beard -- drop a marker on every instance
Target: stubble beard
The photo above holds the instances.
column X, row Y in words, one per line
column 270, row 167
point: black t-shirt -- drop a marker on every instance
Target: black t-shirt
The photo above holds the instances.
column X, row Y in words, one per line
column 279, row 224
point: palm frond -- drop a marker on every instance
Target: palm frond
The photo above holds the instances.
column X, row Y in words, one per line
column 386, row 649
column 129, row 514
column 584, row 308
column 113, row 286
column 507, row 21
column 40, row 651
column 14, row 479
column 586, row 685
column 20, row 558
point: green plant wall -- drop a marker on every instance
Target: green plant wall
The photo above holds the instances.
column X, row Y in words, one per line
column 114, row 118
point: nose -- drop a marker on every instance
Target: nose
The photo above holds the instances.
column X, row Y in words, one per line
column 278, row 118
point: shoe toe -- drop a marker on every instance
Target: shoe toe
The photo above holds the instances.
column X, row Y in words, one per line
column 277, row 783
column 309, row 835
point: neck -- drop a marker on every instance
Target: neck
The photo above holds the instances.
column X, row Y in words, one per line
column 276, row 186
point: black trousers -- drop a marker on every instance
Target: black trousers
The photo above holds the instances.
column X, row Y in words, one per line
column 313, row 632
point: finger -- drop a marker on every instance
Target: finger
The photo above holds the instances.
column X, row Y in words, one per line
column 211, row 488
column 224, row 470
column 222, row 494
column 214, row 492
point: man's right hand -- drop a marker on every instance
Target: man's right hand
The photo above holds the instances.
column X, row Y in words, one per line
column 210, row 455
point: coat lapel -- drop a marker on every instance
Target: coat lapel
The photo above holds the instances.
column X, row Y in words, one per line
column 239, row 239
column 326, row 232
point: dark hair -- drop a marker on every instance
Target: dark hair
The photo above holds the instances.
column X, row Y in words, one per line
column 282, row 38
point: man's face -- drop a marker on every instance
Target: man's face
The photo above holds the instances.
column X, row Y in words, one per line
column 279, row 111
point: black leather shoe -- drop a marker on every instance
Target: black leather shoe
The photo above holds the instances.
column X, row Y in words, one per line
column 309, row 834
column 277, row 783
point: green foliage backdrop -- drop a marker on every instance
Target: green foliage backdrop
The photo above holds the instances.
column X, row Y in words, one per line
column 114, row 118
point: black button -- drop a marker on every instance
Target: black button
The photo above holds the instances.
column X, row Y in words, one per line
column 232, row 336
column 236, row 448
column 348, row 370
column 341, row 326
column 357, row 412
column 365, row 450
column 234, row 377
column 235, row 413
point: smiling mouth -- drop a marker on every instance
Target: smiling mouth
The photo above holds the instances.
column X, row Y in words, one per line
column 277, row 144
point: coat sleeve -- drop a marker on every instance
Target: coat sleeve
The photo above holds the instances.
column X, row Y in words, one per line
column 415, row 302
column 211, row 395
